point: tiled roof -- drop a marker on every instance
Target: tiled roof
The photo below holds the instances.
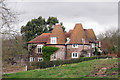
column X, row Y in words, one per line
column 67, row 34
column 41, row 39
column 77, row 34
column 59, row 34
column 90, row 35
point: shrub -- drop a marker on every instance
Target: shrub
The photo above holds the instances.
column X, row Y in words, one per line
column 47, row 51
column 46, row 64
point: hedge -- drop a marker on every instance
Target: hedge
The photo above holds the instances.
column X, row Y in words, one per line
column 46, row 64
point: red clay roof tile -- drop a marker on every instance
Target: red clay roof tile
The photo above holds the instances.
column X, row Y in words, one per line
column 77, row 34
column 41, row 39
column 59, row 34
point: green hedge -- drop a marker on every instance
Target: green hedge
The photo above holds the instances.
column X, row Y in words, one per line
column 46, row 64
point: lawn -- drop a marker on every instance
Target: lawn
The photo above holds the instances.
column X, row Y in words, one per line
column 107, row 68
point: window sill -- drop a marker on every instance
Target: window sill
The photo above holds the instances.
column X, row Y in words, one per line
column 74, row 57
column 39, row 53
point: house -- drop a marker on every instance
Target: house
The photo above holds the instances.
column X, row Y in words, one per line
column 73, row 44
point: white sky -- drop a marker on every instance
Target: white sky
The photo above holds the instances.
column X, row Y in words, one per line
column 99, row 16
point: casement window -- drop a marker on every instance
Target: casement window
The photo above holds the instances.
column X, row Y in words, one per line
column 68, row 39
column 32, row 59
column 75, row 46
column 88, row 46
column 39, row 48
column 40, row 59
column 53, row 56
column 83, row 40
column 74, row 55
column 53, row 40
column 93, row 45
column 99, row 44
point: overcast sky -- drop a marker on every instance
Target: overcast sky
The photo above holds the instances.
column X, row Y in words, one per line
column 99, row 16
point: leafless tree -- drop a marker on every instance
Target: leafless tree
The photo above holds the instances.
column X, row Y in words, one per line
column 13, row 44
column 8, row 19
column 110, row 41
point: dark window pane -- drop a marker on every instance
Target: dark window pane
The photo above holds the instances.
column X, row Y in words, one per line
column 75, row 54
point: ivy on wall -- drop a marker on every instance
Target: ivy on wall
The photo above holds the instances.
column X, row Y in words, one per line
column 32, row 47
column 47, row 51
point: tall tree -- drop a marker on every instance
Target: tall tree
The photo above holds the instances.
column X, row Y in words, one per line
column 34, row 28
column 51, row 21
column 62, row 26
column 109, row 41
column 38, row 26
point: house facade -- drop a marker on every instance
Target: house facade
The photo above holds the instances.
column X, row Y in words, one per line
column 73, row 44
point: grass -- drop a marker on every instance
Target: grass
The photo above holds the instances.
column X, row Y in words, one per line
column 77, row 70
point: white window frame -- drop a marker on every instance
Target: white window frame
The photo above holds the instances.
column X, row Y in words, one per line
column 39, row 46
column 76, row 46
column 53, row 40
column 74, row 54
column 53, row 56
column 40, row 58
column 99, row 44
column 93, row 45
column 83, row 40
column 32, row 59
column 89, row 46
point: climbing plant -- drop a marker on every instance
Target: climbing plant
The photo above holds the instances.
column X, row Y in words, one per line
column 47, row 51
column 32, row 47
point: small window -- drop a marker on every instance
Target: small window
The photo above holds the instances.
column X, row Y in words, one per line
column 53, row 40
column 74, row 55
column 53, row 56
column 32, row 59
column 39, row 47
column 99, row 44
column 88, row 46
column 83, row 40
column 40, row 59
column 75, row 46
column 93, row 45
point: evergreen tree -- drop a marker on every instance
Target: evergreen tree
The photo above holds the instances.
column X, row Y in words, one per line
column 36, row 27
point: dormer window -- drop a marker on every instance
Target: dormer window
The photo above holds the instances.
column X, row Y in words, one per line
column 53, row 40
column 68, row 39
column 75, row 46
column 83, row 40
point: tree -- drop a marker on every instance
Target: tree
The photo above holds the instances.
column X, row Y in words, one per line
column 51, row 21
column 13, row 48
column 62, row 26
column 8, row 19
column 109, row 41
column 36, row 27
column 13, row 44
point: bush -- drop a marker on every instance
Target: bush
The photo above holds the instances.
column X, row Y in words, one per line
column 46, row 64
column 47, row 51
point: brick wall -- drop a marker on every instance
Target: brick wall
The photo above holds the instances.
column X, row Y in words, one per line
column 78, row 50
column 34, row 53
column 60, row 54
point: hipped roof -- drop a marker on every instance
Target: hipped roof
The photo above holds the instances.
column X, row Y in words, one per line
column 67, row 34
column 59, row 34
column 43, row 38
column 77, row 34
column 90, row 35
